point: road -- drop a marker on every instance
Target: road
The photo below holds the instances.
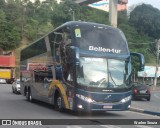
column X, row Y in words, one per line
column 14, row 106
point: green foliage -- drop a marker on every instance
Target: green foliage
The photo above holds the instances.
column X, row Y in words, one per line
column 146, row 19
column 95, row 15
column 23, row 18
column 2, row 4
column 68, row 11
column 63, row 12
column 137, row 42
column 9, row 34
column 9, row 30
column 135, row 65
column 122, row 17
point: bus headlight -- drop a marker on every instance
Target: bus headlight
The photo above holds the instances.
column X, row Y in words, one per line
column 87, row 99
column 126, row 99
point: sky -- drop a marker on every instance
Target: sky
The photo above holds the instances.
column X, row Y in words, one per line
column 154, row 3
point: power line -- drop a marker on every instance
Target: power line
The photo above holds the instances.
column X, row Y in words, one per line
column 141, row 43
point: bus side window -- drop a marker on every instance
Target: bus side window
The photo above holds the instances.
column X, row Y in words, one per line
column 66, row 39
column 38, row 77
column 58, row 64
column 57, row 55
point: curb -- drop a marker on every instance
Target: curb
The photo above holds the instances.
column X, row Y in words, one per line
column 144, row 111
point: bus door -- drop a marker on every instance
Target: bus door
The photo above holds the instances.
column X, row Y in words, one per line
column 68, row 63
column 63, row 58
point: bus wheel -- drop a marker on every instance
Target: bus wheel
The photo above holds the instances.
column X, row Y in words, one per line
column 30, row 96
column 26, row 93
column 58, row 104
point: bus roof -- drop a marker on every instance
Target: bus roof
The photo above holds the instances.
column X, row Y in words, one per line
column 74, row 23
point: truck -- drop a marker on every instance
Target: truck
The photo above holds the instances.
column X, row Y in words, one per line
column 7, row 66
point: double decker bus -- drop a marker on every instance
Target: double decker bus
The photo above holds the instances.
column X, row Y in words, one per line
column 80, row 66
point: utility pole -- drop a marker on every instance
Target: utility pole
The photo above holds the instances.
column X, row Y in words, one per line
column 157, row 63
column 113, row 12
column 73, row 14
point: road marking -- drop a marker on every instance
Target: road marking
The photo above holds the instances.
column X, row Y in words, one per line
column 110, row 126
column 74, row 126
column 143, row 126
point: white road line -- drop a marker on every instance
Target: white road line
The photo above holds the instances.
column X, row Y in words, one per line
column 110, row 126
column 143, row 126
column 74, row 126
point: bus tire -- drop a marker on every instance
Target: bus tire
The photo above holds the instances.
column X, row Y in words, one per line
column 30, row 99
column 29, row 95
column 59, row 102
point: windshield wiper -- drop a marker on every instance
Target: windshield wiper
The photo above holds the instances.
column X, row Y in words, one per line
column 112, row 78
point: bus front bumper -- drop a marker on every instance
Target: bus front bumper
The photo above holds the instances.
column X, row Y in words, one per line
column 95, row 106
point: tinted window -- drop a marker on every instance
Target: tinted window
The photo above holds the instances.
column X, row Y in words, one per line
column 101, row 39
column 33, row 50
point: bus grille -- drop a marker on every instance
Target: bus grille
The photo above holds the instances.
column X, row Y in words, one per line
column 102, row 102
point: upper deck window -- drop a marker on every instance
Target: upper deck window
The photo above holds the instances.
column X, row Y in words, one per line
column 100, row 39
column 34, row 49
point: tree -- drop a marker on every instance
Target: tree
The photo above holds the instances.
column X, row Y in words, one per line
column 2, row 26
column 146, row 19
column 2, row 4
column 122, row 17
column 9, row 31
column 64, row 12
column 137, row 42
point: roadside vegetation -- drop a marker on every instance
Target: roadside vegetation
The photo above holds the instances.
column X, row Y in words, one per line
column 23, row 21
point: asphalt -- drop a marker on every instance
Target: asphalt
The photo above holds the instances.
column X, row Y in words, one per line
column 152, row 110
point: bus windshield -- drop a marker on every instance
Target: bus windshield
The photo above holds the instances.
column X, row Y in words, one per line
column 101, row 72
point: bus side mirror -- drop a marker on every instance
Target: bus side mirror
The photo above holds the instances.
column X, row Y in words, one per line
column 126, row 69
column 141, row 60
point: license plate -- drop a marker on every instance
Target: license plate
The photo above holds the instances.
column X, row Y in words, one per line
column 107, row 106
column 143, row 91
